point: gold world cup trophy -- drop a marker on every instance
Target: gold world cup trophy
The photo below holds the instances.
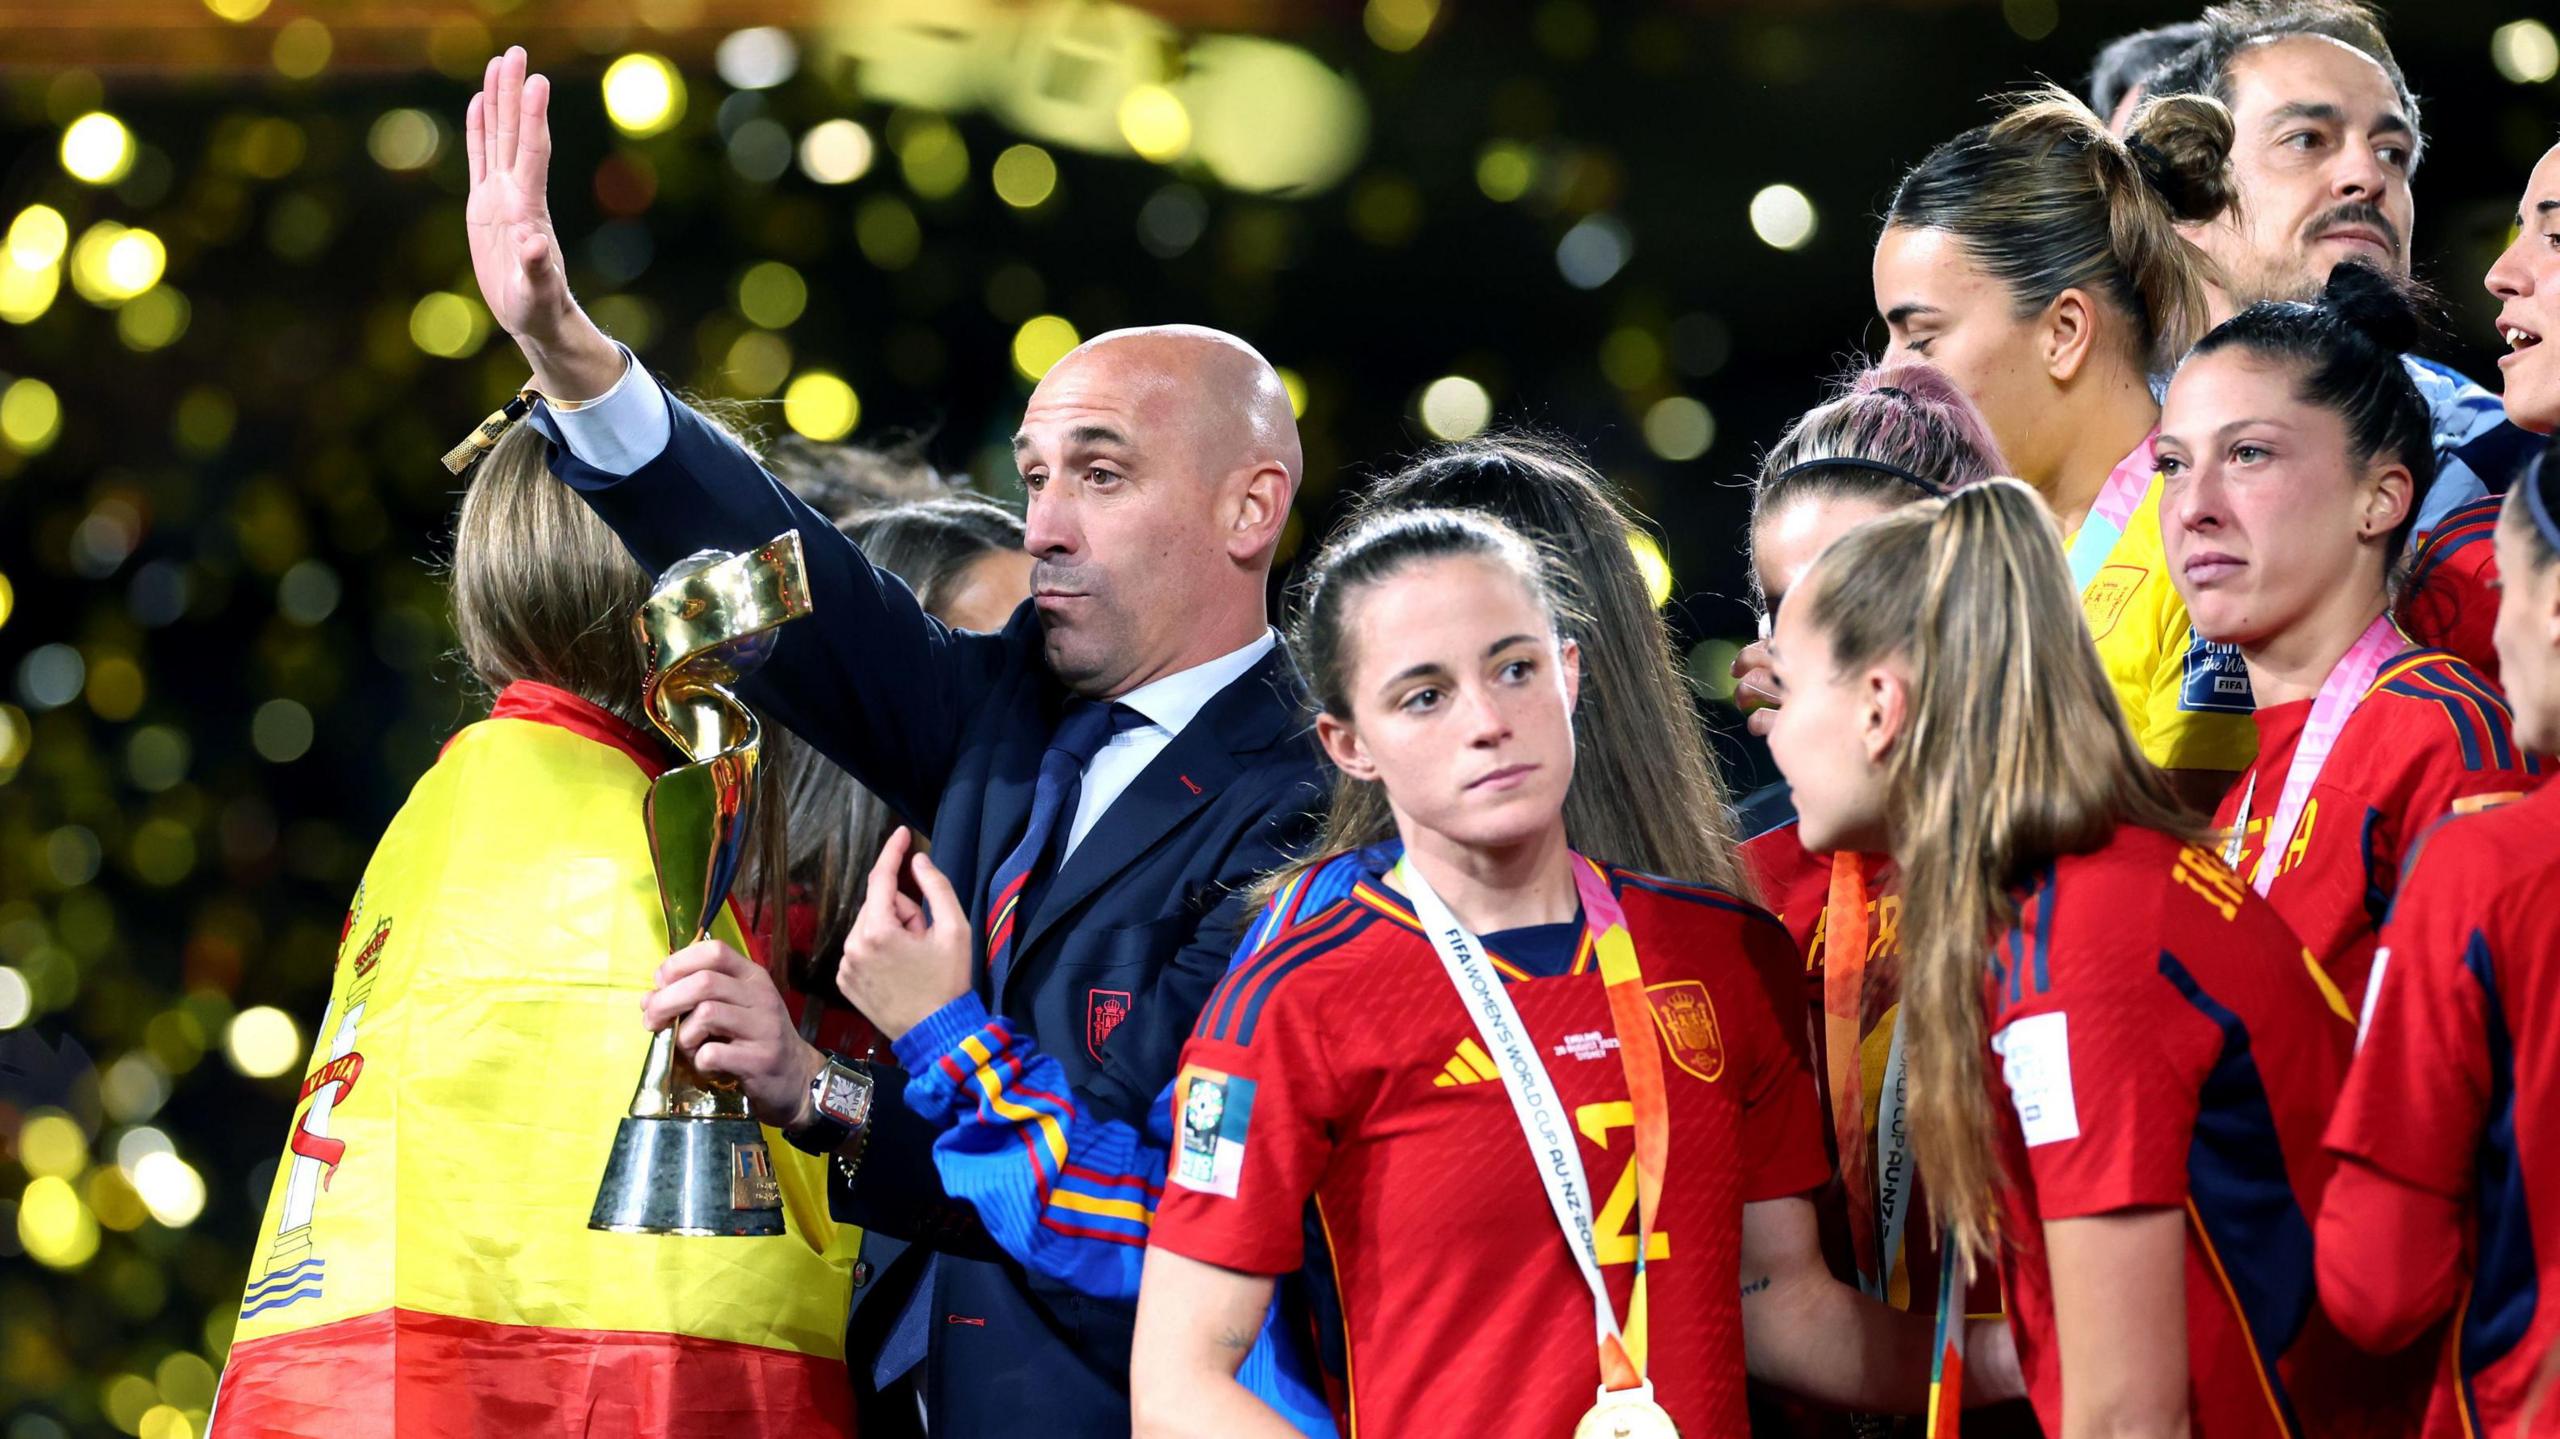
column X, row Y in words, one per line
column 690, row 1157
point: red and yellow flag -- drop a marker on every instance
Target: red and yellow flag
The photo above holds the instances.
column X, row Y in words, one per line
column 425, row 1266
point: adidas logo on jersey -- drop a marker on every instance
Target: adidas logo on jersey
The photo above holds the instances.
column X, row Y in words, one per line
column 1471, row 1065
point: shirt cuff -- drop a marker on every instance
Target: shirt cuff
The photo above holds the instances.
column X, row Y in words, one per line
column 940, row 1033
column 620, row 430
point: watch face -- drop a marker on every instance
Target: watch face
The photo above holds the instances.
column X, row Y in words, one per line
column 845, row 1097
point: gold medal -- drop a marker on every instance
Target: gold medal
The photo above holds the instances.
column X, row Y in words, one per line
column 1626, row 1414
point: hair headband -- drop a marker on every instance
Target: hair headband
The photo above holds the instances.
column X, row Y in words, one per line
column 1927, row 487
column 2538, row 507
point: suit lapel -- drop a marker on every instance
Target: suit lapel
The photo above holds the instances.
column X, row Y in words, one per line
column 1244, row 717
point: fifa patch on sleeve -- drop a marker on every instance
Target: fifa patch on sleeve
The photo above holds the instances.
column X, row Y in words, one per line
column 1215, row 1110
column 2035, row 1062
column 2217, row 679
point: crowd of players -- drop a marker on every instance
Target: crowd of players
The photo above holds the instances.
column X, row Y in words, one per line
column 2129, row 1018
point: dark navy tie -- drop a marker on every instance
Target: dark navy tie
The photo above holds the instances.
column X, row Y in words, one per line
column 1083, row 729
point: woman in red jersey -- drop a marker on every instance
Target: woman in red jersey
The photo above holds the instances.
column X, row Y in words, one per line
column 2294, row 452
column 1534, row 1115
column 1895, row 435
column 2452, row 589
column 2119, row 1060
column 2448, row 1135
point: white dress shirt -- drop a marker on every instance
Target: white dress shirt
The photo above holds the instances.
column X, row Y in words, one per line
column 1168, row 704
column 627, row 427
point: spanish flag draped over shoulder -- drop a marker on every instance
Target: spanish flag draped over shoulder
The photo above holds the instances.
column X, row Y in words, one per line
column 425, row 1266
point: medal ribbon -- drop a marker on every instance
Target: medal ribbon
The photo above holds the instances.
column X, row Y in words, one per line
column 1845, row 940
column 1897, row 1166
column 2108, row 515
column 1946, row 1362
column 2345, row 688
column 1540, row 1109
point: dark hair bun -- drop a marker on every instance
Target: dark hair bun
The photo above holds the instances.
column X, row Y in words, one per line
column 2182, row 143
column 2383, row 309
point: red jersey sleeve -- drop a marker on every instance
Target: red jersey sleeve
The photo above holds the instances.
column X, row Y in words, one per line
column 2418, row 1091
column 1781, row 1116
column 2451, row 599
column 2389, row 1256
column 2104, row 1064
column 1254, row 1106
column 1792, row 883
column 2462, row 737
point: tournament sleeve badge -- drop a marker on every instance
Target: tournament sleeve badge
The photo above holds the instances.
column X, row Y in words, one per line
column 1687, row 1019
column 1214, row 1110
column 2035, row 1062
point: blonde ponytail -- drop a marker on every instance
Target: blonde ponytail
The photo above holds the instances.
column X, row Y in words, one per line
column 2014, row 752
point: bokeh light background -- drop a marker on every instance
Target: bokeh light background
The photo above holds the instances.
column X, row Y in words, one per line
column 237, row 328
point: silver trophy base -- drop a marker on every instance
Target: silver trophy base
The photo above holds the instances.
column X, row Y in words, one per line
column 688, row 1176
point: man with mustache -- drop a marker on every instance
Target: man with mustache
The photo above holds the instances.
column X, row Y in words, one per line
column 2328, row 138
column 1100, row 780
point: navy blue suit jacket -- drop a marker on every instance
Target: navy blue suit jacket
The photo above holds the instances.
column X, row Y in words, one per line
column 1131, row 934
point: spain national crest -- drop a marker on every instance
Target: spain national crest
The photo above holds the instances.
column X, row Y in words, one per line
column 1687, row 1018
column 2104, row 602
column 1103, row 1011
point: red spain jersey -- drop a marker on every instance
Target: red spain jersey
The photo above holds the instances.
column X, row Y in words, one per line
column 1799, row 885
column 1335, row 1108
column 2432, row 738
column 2161, row 1041
column 1793, row 882
column 2456, row 1090
column 2450, row 601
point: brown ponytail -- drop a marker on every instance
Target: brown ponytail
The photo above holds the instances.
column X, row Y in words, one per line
column 2045, row 200
column 2178, row 155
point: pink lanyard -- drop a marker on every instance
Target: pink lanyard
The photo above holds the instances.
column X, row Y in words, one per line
column 2112, row 511
column 2340, row 693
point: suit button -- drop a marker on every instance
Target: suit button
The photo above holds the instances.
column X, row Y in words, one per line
column 861, row 1272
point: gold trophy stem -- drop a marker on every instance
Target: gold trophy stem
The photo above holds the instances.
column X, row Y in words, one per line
column 690, row 1158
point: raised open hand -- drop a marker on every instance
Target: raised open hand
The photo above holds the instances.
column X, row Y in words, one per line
column 514, row 252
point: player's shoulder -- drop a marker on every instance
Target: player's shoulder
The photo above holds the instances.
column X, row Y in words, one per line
column 1327, row 904
column 2435, row 706
column 2476, row 856
column 1313, row 892
column 1681, row 902
column 2133, row 860
column 1327, row 915
column 2125, row 900
column 2467, row 525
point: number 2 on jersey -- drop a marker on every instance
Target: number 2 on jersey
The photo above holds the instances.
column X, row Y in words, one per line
column 1614, row 1232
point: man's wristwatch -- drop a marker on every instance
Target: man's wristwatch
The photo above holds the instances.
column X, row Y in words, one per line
column 839, row 1107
